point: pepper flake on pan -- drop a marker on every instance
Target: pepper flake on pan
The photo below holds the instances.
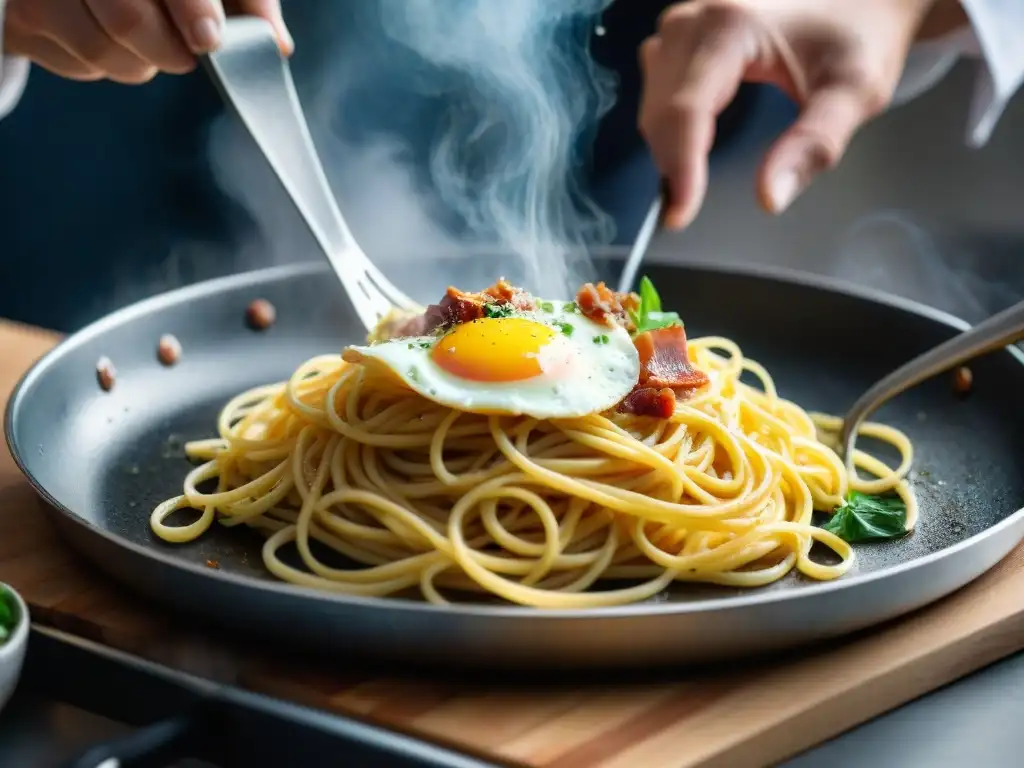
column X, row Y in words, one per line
column 168, row 350
column 963, row 380
column 260, row 314
column 106, row 374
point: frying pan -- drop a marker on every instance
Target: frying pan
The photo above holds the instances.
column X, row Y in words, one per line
column 104, row 460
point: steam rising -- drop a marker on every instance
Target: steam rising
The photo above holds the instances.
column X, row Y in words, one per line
column 889, row 248
column 447, row 127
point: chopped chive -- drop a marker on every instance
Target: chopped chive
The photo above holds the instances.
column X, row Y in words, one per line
column 498, row 310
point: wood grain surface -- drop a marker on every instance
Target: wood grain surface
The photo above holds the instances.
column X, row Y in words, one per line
column 750, row 715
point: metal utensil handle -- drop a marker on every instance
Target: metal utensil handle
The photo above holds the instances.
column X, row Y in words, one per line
column 998, row 331
column 154, row 746
column 643, row 240
column 247, row 62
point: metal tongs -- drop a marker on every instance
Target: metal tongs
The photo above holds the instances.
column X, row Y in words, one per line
column 998, row 331
column 256, row 81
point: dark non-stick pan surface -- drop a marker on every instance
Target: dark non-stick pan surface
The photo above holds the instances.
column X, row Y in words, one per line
column 104, row 460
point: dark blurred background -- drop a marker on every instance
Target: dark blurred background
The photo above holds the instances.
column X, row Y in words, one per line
column 113, row 193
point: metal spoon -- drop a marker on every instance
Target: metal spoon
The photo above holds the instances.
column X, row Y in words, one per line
column 998, row 331
column 256, row 82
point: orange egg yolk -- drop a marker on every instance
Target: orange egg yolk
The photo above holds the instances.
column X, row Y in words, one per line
column 494, row 349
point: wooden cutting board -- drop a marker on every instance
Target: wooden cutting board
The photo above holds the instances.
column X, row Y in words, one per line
column 752, row 716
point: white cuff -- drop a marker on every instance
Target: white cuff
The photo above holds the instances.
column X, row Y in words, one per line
column 928, row 62
column 13, row 77
column 13, row 73
column 998, row 25
column 994, row 37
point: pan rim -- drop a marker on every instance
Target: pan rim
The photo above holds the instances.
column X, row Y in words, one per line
column 255, row 278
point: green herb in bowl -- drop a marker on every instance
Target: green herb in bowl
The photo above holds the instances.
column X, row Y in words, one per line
column 9, row 614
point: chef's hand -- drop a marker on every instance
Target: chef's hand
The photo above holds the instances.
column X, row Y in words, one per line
column 841, row 60
column 128, row 41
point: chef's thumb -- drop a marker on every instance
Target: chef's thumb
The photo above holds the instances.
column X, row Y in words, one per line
column 271, row 11
column 814, row 143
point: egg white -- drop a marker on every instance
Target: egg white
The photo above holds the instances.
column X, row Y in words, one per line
column 605, row 368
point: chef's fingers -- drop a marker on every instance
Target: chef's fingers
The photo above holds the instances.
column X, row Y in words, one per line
column 71, row 25
column 815, row 142
column 271, row 11
column 50, row 56
column 144, row 28
column 200, row 22
column 692, row 69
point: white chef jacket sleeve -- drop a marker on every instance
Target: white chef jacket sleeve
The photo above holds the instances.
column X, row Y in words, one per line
column 13, row 73
column 996, row 36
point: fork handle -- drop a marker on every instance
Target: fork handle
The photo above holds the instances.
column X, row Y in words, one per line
column 998, row 331
column 255, row 80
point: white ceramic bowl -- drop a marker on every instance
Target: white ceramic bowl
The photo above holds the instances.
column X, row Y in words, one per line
column 12, row 653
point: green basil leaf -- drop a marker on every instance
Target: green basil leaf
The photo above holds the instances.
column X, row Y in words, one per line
column 650, row 317
column 650, row 301
column 864, row 517
column 657, row 320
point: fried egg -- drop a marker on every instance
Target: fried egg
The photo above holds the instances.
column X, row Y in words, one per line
column 550, row 362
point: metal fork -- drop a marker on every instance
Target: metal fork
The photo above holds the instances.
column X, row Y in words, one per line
column 255, row 80
column 998, row 331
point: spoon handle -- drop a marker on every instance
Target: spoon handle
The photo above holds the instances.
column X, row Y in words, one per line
column 256, row 82
column 998, row 331
column 639, row 249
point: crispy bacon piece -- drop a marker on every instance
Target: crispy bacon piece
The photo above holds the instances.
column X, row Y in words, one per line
column 458, row 307
column 396, row 325
column 607, row 307
column 502, row 292
column 665, row 373
column 412, row 326
column 664, row 361
column 455, row 308
column 649, row 401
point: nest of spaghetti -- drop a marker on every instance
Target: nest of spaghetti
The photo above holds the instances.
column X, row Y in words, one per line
column 559, row 455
